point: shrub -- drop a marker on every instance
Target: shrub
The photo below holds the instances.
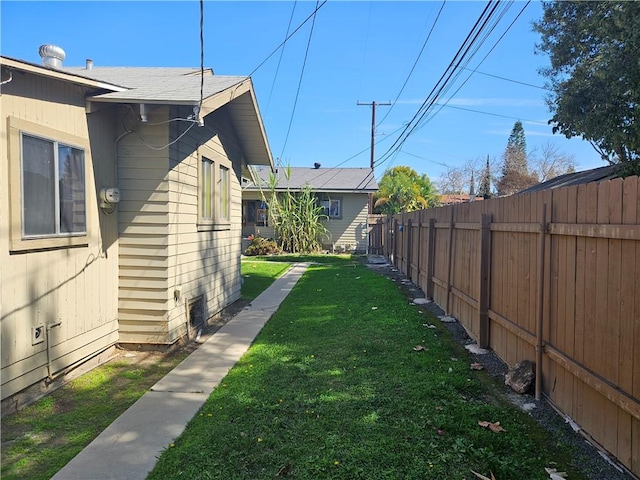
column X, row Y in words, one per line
column 261, row 246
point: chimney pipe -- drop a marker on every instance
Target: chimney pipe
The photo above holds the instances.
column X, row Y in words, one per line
column 89, row 64
column 52, row 55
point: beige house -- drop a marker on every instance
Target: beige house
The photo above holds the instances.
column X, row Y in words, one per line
column 120, row 209
column 342, row 192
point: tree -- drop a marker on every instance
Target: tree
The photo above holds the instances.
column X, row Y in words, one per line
column 515, row 169
column 485, row 183
column 549, row 162
column 401, row 189
column 472, row 186
column 594, row 75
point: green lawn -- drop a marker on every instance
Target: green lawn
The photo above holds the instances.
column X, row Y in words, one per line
column 42, row 438
column 334, row 388
column 257, row 275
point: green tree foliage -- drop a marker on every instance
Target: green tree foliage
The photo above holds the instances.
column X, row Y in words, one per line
column 485, row 183
column 401, row 189
column 595, row 75
column 515, row 169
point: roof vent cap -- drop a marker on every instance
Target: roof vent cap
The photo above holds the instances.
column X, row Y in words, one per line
column 52, row 55
column 316, row 165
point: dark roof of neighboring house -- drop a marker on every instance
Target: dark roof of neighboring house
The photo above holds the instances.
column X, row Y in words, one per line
column 320, row 179
column 448, row 199
column 576, row 178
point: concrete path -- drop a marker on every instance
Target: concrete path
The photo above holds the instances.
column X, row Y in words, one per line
column 129, row 448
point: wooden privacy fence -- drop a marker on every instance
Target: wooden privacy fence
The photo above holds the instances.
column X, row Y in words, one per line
column 552, row 277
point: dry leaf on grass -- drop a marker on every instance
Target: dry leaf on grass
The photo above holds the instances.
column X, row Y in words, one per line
column 419, row 348
column 555, row 474
column 494, row 427
column 482, row 476
column 476, row 366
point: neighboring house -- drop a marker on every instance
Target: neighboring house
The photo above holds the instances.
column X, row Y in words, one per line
column 342, row 192
column 575, row 178
column 454, row 199
column 120, row 208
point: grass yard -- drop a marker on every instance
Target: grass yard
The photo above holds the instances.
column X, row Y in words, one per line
column 345, row 381
column 43, row 437
column 258, row 274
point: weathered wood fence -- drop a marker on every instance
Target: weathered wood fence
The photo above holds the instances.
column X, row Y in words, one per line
column 552, row 277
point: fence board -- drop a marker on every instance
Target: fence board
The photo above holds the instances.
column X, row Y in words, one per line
column 590, row 292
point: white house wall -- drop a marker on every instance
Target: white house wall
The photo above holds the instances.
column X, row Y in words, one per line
column 74, row 286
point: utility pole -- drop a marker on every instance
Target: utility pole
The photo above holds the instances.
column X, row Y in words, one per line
column 373, row 139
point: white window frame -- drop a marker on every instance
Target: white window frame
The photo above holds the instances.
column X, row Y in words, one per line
column 18, row 240
column 326, row 203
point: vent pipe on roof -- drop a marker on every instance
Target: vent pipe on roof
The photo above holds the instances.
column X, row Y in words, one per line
column 316, row 165
column 89, row 64
column 52, row 55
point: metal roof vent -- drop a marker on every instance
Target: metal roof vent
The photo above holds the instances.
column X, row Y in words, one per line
column 52, row 55
column 316, row 165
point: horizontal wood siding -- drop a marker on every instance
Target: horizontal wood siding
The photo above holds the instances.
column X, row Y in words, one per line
column 74, row 286
column 202, row 264
column 351, row 228
column 143, row 217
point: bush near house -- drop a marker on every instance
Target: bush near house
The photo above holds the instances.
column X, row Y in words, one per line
column 262, row 246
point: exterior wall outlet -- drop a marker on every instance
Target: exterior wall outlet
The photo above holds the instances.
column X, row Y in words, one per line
column 37, row 334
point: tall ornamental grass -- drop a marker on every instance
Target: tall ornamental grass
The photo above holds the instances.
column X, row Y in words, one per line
column 296, row 217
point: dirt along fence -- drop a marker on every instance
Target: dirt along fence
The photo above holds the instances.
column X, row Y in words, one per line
column 552, row 277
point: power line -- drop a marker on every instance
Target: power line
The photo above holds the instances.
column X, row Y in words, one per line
column 416, row 62
column 275, row 76
column 490, row 113
column 442, row 81
column 508, row 79
column 304, row 63
column 312, row 15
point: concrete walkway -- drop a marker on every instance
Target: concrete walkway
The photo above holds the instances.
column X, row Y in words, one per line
column 129, row 448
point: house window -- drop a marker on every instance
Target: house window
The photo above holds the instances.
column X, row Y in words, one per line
column 206, row 190
column 225, row 194
column 214, row 190
column 332, row 208
column 48, row 188
column 53, row 188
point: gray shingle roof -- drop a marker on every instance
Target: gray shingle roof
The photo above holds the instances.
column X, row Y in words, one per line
column 576, row 178
column 157, row 84
column 322, row 179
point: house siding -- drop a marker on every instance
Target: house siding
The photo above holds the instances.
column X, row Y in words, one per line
column 351, row 228
column 74, row 286
column 143, row 219
column 162, row 250
column 202, row 264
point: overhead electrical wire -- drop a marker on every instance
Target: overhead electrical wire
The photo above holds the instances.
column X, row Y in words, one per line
column 304, row 63
column 275, row 76
column 508, row 79
column 434, row 113
column 312, row 15
column 488, row 11
column 481, row 30
column 414, row 64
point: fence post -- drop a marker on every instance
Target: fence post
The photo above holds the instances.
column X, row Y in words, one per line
column 431, row 257
column 540, row 303
column 485, row 290
column 395, row 242
column 450, row 267
column 409, row 247
column 419, row 250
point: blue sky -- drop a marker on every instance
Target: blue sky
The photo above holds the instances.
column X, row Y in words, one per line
column 360, row 51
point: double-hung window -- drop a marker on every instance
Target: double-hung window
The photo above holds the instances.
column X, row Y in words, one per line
column 47, row 187
column 214, row 190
